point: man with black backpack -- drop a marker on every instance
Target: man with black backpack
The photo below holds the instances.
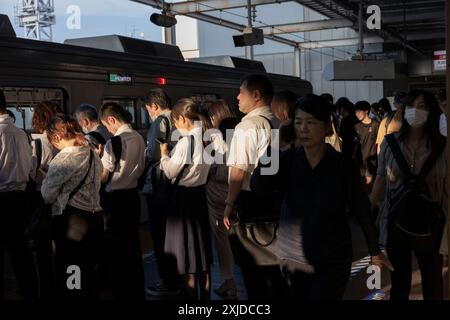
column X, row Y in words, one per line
column 158, row 106
column 412, row 182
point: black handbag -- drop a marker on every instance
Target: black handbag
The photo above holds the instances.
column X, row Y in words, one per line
column 255, row 208
column 255, row 227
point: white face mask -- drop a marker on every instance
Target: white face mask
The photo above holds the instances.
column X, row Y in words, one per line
column 416, row 118
column 153, row 118
column 443, row 125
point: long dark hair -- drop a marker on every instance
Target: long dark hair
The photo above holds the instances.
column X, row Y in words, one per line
column 385, row 106
column 432, row 124
column 43, row 115
column 219, row 110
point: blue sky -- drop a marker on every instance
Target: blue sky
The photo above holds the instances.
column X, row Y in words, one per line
column 98, row 17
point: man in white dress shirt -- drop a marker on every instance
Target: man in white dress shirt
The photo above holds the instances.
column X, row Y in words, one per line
column 123, row 202
column 15, row 168
column 250, row 140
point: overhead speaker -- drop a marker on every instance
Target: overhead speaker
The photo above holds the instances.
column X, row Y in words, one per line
column 250, row 37
column 163, row 20
column 6, row 29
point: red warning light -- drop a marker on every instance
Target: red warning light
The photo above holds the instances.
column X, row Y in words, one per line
column 161, row 81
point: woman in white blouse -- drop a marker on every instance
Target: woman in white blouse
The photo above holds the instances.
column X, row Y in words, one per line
column 222, row 120
column 72, row 186
column 43, row 150
column 188, row 245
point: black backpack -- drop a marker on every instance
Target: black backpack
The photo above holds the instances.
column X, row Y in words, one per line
column 97, row 137
column 150, row 165
column 411, row 207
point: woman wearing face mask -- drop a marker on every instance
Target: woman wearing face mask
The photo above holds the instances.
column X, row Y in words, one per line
column 417, row 138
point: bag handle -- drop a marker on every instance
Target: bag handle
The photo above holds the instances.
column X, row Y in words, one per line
column 274, row 236
column 269, row 147
column 180, row 174
column 398, row 154
column 167, row 125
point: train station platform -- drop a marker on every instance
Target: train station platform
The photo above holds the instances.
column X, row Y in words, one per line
column 356, row 288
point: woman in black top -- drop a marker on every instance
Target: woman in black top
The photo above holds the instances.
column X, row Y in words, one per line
column 314, row 240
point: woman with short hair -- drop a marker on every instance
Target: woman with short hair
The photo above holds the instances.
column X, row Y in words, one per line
column 314, row 242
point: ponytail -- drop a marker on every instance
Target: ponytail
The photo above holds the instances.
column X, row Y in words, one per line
column 190, row 109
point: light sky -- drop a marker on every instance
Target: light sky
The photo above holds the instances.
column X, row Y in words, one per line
column 98, row 17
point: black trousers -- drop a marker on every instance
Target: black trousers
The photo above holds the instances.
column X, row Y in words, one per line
column 328, row 282
column 126, row 272
column 12, row 238
column 76, row 258
column 42, row 249
column 399, row 249
column 157, row 212
column 264, row 283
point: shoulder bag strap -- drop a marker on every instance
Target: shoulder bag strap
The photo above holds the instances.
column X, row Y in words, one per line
column 83, row 181
column 116, row 143
column 38, row 150
column 191, row 143
column 398, row 154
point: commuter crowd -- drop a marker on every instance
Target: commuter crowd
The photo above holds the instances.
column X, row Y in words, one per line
column 269, row 186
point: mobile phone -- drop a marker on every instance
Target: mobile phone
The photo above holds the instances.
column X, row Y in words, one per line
column 161, row 140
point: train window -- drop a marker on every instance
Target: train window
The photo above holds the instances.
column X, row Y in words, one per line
column 22, row 101
column 205, row 99
column 23, row 115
